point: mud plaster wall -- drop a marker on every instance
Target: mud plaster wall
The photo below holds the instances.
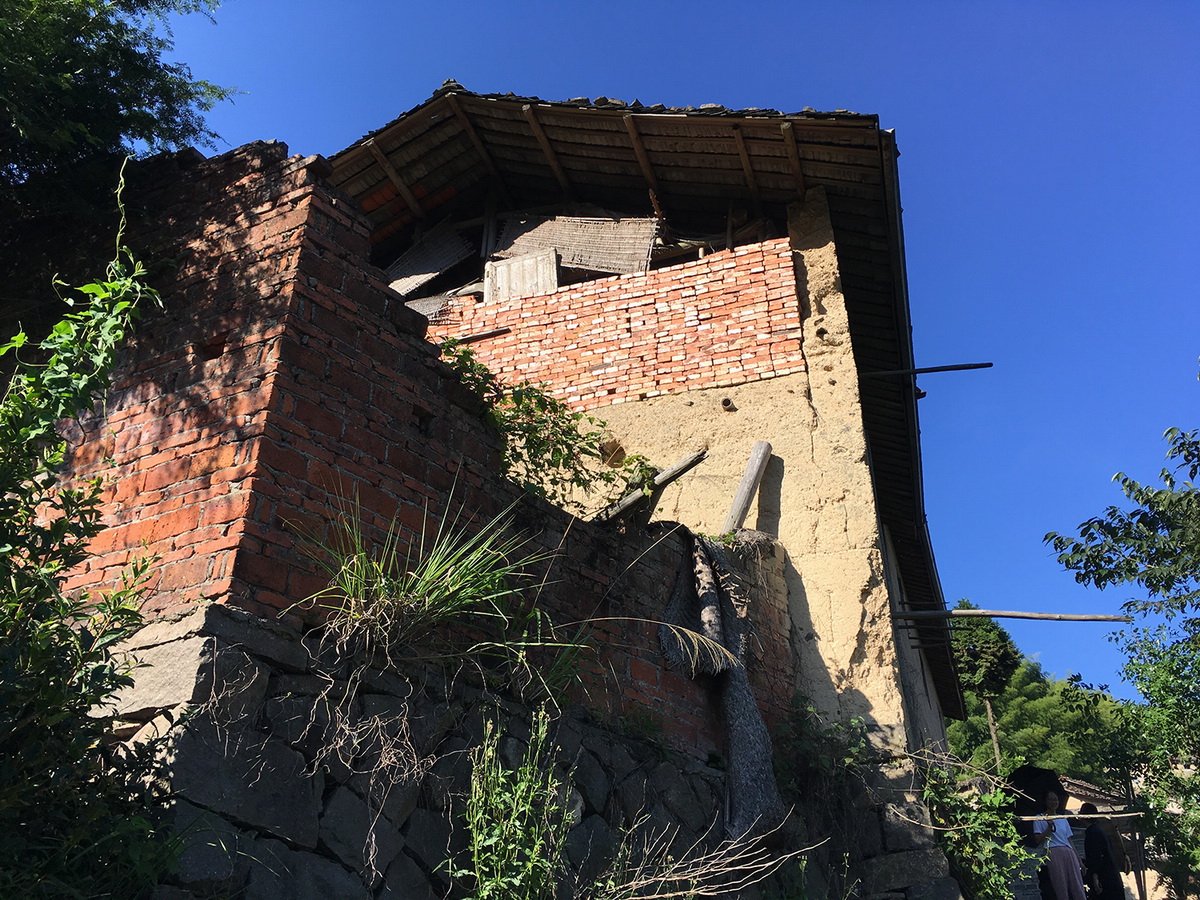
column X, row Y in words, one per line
column 816, row 496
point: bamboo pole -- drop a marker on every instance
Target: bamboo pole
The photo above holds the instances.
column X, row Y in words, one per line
column 1002, row 614
column 662, row 479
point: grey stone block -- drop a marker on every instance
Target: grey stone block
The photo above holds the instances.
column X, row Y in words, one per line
column 906, row 826
column 896, row 871
column 233, row 687
column 635, row 796
column 168, row 675
column 278, row 873
column 590, row 847
column 272, row 641
column 214, row 854
column 250, row 778
column 396, row 799
column 362, row 838
column 164, row 631
column 313, row 726
column 428, row 838
column 591, row 781
column 940, row 889
column 405, row 880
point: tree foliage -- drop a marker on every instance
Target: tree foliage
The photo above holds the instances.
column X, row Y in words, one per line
column 87, row 78
column 984, row 653
column 1040, row 721
column 1152, row 542
column 73, row 811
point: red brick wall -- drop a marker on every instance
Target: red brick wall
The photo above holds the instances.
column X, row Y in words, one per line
column 729, row 318
column 283, row 377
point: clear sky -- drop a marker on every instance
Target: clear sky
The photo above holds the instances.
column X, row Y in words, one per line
column 1050, row 173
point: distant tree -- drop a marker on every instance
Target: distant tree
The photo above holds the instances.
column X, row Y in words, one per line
column 1047, row 722
column 1153, row 542
column 81, row 79
column 986, row 658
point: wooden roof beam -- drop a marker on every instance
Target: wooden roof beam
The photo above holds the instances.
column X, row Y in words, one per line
column 639, row 151
column 793, row 152
column 547, row 150
column 748, row 169
column 477, row 142
column 643, row 159
column 394, row 177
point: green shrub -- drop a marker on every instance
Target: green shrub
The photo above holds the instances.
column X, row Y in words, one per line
column 76, row 814
column 549, row 450
column 977, row 831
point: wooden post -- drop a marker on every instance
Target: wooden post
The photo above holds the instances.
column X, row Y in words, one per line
column 748, row 488
column 987, row 704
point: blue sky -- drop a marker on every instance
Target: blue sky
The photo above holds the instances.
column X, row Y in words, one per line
column 1051, row 185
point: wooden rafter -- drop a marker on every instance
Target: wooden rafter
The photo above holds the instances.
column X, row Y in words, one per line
column 547, row 150
column 640, row 152
column 477, row 142
column 748, row 169
column 394, row 177
column 793, row 152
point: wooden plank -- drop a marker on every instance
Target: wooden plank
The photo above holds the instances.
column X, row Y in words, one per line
column 662, row 479
column 522, row 276
column 477, row 142
column 395, row 179
column 547, row 150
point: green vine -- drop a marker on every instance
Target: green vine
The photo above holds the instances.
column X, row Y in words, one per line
column 76, row 815
column 549, row 449
column 977, row 832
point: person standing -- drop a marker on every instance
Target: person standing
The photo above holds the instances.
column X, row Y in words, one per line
column 1064, row 864
column 1102, row 875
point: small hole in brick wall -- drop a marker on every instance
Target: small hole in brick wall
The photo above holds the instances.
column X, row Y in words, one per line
column 213, row 347
column 424, row 417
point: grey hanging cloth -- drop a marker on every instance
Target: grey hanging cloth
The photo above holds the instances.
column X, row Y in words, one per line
column 701, row 604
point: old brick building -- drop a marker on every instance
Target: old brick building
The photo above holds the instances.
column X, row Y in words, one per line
column 695, row 277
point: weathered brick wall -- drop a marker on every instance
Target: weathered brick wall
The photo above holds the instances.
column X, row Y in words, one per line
column 729, row 318
column 283, row 379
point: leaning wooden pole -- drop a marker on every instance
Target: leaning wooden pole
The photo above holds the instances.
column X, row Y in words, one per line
column 1002, row 614
column 987, row 704
column 755, row 467
column 662, row 479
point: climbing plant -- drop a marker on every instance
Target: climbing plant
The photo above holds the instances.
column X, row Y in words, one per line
column 549, row 449
column 975, row 828
column 76, row 814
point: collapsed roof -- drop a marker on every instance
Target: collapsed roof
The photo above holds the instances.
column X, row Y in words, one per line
column 705, row 175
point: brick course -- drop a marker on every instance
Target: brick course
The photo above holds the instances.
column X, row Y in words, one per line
column 729, row 318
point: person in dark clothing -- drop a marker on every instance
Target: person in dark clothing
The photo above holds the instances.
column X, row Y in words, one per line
column 1103, row 879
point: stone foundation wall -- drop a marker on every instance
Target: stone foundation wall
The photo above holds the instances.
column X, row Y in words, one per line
column 302, row 775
